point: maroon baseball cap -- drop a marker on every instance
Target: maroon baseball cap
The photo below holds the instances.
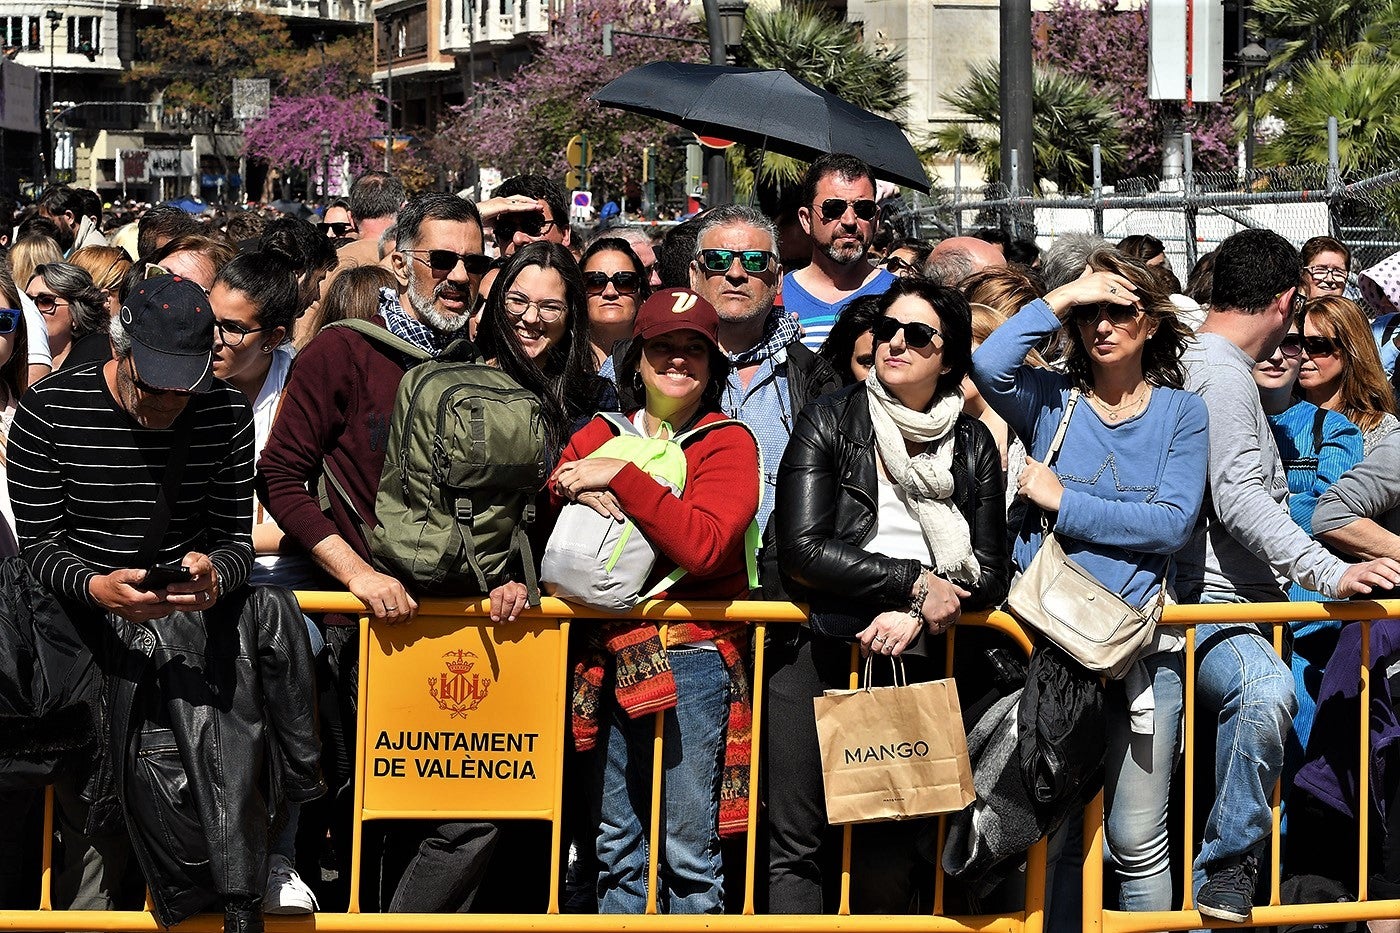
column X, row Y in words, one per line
column 676, row 309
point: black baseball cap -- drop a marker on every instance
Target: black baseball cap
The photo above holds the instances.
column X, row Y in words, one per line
column 171, row 325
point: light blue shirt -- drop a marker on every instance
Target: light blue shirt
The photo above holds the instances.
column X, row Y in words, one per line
column 817, row 316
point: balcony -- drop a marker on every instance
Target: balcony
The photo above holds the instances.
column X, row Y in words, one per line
column 343, row 11
column 497, row 23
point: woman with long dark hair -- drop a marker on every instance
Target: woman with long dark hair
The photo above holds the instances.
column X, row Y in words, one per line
column 535, row 328
column 890, row 519
column 617, row 285
column 1122, row 497
column 849, row 346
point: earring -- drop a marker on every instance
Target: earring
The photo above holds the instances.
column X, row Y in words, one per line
column 637, row 381
column 267, row 349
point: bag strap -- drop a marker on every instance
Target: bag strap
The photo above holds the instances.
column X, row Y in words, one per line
column 1063, row 426
column 166, row 495
column 901, row 679
column 382, row 336
column 327, row 477
column 1319, row 417
column 1055, row 444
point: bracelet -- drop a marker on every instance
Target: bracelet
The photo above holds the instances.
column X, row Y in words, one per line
column 916, row 602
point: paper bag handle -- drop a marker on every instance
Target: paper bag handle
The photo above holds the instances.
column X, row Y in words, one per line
column 900, row 680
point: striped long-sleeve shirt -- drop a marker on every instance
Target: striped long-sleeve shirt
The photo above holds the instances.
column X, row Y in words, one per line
column 84, row 478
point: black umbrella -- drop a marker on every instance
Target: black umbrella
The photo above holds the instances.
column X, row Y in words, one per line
column 771, row 109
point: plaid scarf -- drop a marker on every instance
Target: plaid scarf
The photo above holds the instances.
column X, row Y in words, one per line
column 779, row 331
column 643, row 684
column 399, row 323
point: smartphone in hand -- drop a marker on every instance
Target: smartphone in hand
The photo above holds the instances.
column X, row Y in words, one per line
column 159, row 576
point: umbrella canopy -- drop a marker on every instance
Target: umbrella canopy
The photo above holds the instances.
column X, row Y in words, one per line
column 771, row 109
column 189, row 205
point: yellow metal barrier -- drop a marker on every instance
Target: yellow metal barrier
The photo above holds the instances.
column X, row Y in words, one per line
column 454, row 626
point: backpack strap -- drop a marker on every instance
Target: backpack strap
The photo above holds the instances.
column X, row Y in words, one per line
column 382, row 336
column 1319, row 417
column 328, row 478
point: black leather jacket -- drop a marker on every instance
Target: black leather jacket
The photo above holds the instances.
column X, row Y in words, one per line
column 211, row 725
column 826, row 508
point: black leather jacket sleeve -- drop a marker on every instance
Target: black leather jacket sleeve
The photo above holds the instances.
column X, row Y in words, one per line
column 812, row 549
column 988, row 521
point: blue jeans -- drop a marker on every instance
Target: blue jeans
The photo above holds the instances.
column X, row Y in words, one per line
column 1251, row 689
column 1138, row 773
column 689, row 869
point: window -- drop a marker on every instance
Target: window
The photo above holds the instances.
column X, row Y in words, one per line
column 84, row 29
column 20, row 32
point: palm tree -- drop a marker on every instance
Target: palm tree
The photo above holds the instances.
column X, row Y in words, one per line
column 1068, row 118
column 812, row 44
column 1360, row 93
column 1315, row 28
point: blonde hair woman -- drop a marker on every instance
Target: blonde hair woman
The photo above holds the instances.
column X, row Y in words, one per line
column 1342, row 369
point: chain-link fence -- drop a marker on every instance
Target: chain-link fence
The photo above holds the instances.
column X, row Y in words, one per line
column 1191, row 214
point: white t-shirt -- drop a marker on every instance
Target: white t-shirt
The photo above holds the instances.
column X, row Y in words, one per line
column 897, row 532
column 35, row 332
column 290, row 570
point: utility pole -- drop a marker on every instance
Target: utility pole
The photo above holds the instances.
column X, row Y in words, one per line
column 1017, row 132
column 50, row 173
column 389, row 93
column 325, row 167
column 718, row 167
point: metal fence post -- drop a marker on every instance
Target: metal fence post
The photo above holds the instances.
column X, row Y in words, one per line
column 1096, row 193
column 1334, row 178
column 1188, row 200
column 1015, row 193
column 957, row 194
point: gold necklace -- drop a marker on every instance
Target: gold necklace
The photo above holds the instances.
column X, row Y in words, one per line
column 1114, row 412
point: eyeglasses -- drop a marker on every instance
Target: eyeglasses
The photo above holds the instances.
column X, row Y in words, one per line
column 443, row 261
column 231, row 333
column 1326, row 273
column 47, row 303
column 339, row 228
column 835, row 208
column 917, row 335
column 1118, row 315
column 530, row 224
column 517, row 305
column 752, row 260
column 625, row 282
column 900, row 267
column 9, row 320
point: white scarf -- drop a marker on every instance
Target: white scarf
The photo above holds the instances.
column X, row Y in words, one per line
column 926, row 479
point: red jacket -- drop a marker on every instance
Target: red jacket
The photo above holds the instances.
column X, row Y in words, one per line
column 335, row 415
column 702, row 530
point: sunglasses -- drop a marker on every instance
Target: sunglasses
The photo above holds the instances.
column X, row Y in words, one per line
column 720, row 260
column 338, row 229
column 835, row 208
column 46, row 303
column 9, row 320
column 1326, row 273
column 1297, row 344
column 899, row 266
column 917, row 335
column 625, row 282
column 1118, row 315
column 443, row 261
column 532, row 225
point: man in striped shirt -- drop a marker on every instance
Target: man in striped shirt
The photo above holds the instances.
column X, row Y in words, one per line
column 88, row 453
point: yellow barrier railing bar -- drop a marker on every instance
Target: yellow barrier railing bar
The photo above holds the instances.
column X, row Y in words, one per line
column 1030, row 920
column 1188, row 738
column 1363, row 796
column 760, row 643
column 1275, row 807
column 654, row 850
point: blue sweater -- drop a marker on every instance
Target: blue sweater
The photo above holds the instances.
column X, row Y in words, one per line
column 1132, row 489
column 1311, row 471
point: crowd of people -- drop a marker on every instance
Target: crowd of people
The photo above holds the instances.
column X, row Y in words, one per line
column 196, row 422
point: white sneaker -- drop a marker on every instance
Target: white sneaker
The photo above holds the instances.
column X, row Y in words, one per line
column 286, row 892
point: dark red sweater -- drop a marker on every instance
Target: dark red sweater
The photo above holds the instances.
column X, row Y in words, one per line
column 703, row 529
column 335, row 415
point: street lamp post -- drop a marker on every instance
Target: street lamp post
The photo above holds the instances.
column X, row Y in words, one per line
column 325, row 166
column 389, row 92
column 53, row 16
column 724, row 23
column 1254, row 58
